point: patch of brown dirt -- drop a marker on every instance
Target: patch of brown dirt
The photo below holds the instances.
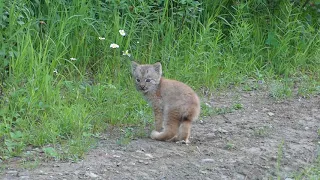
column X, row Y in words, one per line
column 265, row 139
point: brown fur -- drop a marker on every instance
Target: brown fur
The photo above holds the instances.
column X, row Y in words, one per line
column 175, row 105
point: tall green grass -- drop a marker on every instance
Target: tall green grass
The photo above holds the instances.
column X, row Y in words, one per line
column 62, row 85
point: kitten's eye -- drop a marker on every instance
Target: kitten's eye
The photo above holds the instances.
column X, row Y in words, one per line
column 148, row 80
column 138, row 80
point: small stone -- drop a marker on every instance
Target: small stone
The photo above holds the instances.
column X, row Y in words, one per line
column 13, row 173
column 273, row 158
column 91, row 174
column 24, row 177
column 265, row 109
column 42, row 172
column 149, row 155
column 207, row 160
column 203, row 172
column 222, row 130
column 20, row 174
column 211, row 135
column 270, row 113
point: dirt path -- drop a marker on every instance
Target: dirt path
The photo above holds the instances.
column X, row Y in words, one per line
column 265, row 139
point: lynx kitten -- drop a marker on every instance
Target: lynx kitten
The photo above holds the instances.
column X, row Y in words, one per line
column 175, row 105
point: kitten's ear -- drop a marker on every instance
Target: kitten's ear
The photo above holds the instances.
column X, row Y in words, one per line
column 134, row 65
column 158, row 68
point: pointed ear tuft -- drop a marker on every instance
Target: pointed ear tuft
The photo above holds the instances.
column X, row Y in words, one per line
column 158, row 68
column 134, row 65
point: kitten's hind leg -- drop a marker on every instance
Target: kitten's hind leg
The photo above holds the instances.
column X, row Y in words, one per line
column 184, row 131
column 185, row 126
column 171, row 127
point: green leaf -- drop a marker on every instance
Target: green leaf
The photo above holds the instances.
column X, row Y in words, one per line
column 50, row 151
column 16, row 135
column 271, row 40
column 20, row 22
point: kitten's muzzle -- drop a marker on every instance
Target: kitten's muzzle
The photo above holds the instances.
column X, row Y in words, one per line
column 143, row 87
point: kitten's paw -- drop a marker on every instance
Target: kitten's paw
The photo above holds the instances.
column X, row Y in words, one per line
column 187, row 142
column 154, row 134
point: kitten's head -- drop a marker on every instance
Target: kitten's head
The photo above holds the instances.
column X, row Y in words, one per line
column 147, row 76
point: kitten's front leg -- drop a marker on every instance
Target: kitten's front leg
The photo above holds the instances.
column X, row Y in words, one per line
column 158, row 117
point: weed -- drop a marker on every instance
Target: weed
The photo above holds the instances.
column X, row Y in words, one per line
column 130, row 133
column 50, row 152
column 280, row 90
column 308, row 87
column 237, row 106
column 261, row 131
column 311, row 172
column 230, row 146
column 30, row 164
column 207, row 110
column 279, row 159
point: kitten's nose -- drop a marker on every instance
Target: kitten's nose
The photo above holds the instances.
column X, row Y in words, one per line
column 143, row 87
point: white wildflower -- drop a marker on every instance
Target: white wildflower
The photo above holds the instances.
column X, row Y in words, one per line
column 102, row 38
column 111, row 86
column 55, row 71
column 73, row 59
column 207, row 104
column 113, row 45
column 126, row 53
column 122, row 33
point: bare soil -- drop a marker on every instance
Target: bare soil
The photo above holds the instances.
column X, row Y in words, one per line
column 264, row 139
